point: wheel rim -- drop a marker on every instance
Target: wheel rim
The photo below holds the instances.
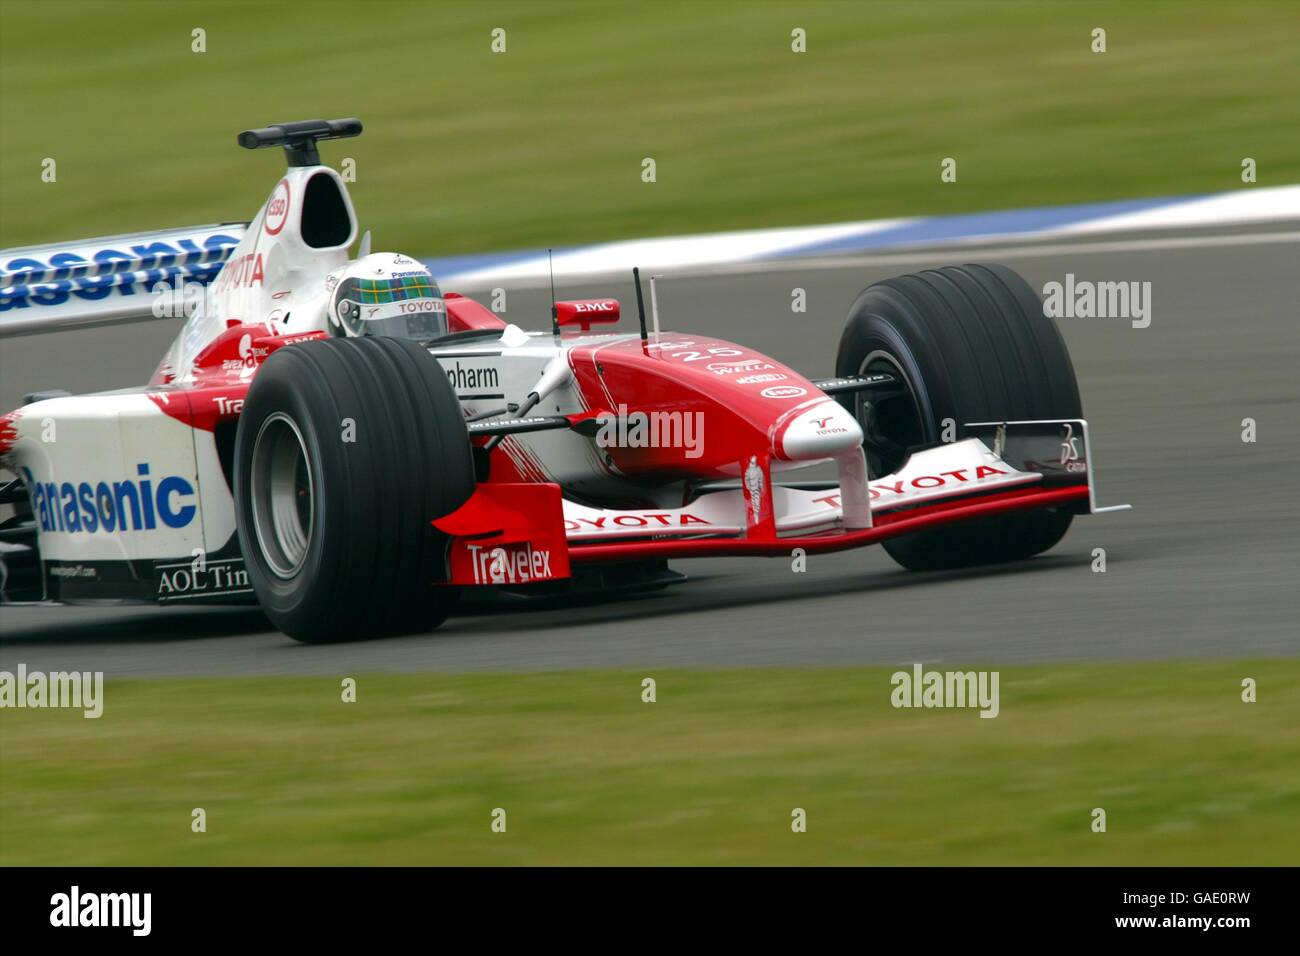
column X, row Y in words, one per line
column 891, row 425
column 283, row 494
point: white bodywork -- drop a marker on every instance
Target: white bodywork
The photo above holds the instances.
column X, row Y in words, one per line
column 82, row 456
column 272, row 276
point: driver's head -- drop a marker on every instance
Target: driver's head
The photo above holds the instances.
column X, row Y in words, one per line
column 386, row 294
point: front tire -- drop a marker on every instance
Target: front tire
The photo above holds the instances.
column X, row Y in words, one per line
column 972, row 345
column 347, row 450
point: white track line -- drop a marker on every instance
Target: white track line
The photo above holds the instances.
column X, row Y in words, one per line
column 984, row 249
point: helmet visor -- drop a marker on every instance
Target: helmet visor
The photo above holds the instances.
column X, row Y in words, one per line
column 406, row 307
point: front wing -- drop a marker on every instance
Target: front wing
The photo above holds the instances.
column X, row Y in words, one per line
column 512, row 534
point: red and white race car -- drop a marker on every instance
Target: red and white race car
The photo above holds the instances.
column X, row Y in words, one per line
column 336, row 440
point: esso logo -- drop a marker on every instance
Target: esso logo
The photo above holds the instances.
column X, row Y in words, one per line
column 277, row 209
column 783, row 391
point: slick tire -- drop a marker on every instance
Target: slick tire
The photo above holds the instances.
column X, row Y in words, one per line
column 973, row 345
column 346, row 450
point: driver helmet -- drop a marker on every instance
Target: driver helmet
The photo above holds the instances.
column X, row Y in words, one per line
column 388, row 294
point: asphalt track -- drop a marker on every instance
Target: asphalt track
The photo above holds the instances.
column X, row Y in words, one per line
column 1205, row 566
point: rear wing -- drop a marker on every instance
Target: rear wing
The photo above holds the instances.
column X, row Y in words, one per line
column 107, row 280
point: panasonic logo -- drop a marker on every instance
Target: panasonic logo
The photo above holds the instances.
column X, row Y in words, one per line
column 87, row 507
column 129, row 270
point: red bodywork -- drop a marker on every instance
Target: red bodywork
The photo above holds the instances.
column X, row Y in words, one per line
column 513, row 529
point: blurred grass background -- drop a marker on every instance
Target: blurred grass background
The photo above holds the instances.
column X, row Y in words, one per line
column 709, row 774
column 469, row 151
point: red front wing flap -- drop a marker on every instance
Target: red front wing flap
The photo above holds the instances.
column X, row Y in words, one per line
column 507, row 533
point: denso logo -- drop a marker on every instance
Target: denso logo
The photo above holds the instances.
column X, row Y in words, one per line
column 29, row 281
column 89, row 506
column 509, row 564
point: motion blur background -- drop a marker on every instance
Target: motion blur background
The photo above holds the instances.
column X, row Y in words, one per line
column 466, row 150
column 1119, row 691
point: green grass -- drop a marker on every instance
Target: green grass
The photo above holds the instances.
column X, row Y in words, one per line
column 709, row 774
column 467, row 150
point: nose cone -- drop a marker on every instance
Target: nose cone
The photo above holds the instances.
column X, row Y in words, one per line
column 823, row 431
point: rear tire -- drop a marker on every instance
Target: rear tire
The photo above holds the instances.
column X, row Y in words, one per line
column 973, row 345
column 346, row 450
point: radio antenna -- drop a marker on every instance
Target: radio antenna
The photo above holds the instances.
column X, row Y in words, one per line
column 654, row 307
column 555, row 313
column 640, row 303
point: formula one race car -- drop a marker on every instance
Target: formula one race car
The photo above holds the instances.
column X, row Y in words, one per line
column 338, row 441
